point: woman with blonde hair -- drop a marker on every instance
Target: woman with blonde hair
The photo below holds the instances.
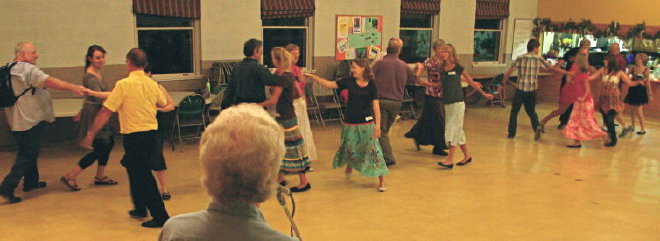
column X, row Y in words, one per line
column 638, row 96
column 295, row 159
column 239, row 160
column 359, row 148
column 582, row 125
column 451, row 75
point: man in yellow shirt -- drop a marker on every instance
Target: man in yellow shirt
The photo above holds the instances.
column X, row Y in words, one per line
column 136, row 98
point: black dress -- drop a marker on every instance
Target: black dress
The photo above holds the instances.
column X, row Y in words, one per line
column 637, row 95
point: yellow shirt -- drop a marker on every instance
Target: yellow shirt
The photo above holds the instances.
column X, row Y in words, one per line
column 135, row 98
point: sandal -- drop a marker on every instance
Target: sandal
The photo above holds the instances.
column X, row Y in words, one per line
column 105, row 180
column 70, row 183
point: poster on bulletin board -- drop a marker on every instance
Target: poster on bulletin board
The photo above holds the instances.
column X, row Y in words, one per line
column 358, row 36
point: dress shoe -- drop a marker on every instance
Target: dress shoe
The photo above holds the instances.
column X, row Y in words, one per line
column 390, row 164
column 574, row 146
column 610, row 144
column 302, row 189
column 511, row 136
column 30, row 187
column 450, row 166
column 641, row 132
column 166, row 196
column 537, row 133
column 10, row 197
column 153, row 224
column 439, row 152
column 283, row 183
column 137, row 214
column 561, row 126
column 464, row 162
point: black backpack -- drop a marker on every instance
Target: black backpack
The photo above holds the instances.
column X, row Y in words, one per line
column 7, row 97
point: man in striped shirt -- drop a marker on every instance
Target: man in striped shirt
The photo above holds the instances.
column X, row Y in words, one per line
column 528, row 66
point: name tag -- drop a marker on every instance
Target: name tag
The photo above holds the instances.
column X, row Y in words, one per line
column 368, row 118
column 451, row 73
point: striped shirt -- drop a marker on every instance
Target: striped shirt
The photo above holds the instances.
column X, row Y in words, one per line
column 528, row 66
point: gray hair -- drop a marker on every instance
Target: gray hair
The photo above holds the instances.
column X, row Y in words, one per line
column 439, row 42
column 240, row 154
column 20, row 47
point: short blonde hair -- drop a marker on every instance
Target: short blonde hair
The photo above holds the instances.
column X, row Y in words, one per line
column 240, row 154
column 643, row 57
column 439, row 42
column 20, row 47
column 283, row 57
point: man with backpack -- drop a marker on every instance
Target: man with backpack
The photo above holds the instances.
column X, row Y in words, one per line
column 27, row 109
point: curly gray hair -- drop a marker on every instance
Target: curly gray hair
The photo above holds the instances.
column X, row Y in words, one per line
column 240, row 154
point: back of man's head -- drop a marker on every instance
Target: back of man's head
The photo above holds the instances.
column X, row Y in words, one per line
column 250, row 46
column 532, row 44
column 394, row 46
column 137, row 57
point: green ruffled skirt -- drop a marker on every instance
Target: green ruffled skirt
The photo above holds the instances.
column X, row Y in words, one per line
column 360, row 150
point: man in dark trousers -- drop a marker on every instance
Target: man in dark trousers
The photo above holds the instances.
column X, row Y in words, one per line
column 136, row 99
column 28, row 116
column 392, row 75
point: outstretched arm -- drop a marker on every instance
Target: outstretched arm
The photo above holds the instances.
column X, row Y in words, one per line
column 476, row 85
column 55, row 83
column 274, row 97
column 322, row 81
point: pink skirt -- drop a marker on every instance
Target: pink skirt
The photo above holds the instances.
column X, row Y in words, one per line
column 582, row 125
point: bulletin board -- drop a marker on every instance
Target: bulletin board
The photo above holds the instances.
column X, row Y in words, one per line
column 358, row 36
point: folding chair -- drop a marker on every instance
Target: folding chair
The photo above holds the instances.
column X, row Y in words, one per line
column 190, row 112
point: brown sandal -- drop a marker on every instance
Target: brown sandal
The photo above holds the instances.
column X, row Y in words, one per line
column 71, row 183
column 105, row 180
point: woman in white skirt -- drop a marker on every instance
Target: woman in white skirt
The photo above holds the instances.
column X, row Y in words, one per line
column 451, row 76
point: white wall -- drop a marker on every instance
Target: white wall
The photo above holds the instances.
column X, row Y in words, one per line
column 63, row 29
column 226, row 25
column 457, row 24
column 325, row 22
column 519, row 9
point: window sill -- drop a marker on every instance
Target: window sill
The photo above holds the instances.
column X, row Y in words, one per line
column 488, row 64
column 175, row 77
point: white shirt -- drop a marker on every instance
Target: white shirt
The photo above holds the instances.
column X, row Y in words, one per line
column 30, row 109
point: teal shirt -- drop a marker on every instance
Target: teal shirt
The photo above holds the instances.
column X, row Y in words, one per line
column 238, row 221
column 451, row 85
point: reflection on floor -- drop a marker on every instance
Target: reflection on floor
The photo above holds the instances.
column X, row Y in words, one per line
column 516, row 189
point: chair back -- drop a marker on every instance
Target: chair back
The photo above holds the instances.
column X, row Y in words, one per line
column 192, row 105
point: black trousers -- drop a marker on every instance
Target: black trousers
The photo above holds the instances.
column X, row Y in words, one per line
column 608, row 119
column 564, row 117
column 101, row 152
column 139, row 148
column 529, row 100
column 25, row 165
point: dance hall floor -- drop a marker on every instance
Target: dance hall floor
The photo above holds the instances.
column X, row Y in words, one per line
column 516, row 189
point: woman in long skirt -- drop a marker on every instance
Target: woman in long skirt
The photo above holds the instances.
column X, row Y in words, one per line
column 359, row 147
column 582, row 125
column 300, row 103
column 295, row 160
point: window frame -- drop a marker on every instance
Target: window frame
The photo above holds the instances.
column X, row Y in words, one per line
column 434, row 24
column 196, row 50
column 500, row 48
column 309, row 39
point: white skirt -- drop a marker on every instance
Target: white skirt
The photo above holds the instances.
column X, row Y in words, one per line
column 454, row 114
column 300, row 107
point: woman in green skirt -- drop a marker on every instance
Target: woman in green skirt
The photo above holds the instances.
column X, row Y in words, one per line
column 359, row 147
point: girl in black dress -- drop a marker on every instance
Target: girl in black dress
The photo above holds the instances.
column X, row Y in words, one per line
column 638, row 96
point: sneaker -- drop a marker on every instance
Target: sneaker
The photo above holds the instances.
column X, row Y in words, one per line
column 153, row 224
column 30, row 187
column 625, row 131
column 166, row 196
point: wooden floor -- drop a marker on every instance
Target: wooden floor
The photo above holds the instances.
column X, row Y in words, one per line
column 516, row 189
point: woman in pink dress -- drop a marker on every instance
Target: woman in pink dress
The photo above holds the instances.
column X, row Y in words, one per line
column 582, row 124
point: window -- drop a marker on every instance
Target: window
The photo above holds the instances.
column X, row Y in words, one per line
column 415, row 31
column 170, row 43
column 487, row 34
column 279, row 32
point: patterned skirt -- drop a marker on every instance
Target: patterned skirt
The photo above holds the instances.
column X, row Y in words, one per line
column 610, row 99
column 300, row 107
column 360, row 150
column 295, row 157
column 582, row 125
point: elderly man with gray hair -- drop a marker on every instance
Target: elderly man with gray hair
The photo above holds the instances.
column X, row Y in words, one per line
column 239, row 160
